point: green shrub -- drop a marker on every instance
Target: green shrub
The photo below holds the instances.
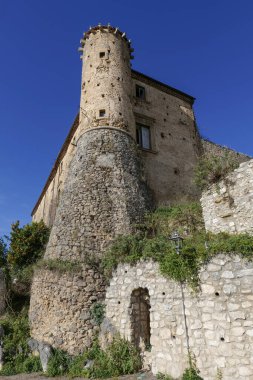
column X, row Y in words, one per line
column 17, row 357
column 98, row 312
column 76, row 367
column 27, row 244
column 191, row 374
column 211, row 169
column 119, row 358
column 16, row 333
column 58, row 363
column 153, row 243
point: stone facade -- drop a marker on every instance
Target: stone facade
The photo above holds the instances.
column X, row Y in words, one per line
column 109, row 85
column 104, row 196
column 212, row 149
column 228, row 205
column 219, row 318
column 60, row 309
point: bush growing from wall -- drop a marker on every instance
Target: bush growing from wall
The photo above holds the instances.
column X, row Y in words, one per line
column 211, row 169
column 153, row 243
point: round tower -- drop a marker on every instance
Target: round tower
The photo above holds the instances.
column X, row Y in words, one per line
column 104, row 196
column 106, row 80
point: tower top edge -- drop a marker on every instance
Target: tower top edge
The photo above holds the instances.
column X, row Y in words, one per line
column 106, row 28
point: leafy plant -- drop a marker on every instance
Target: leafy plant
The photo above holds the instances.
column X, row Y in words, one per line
column 211, row 169
column 17, row 357
column 98, row 312
column 27, row 243
column 120, row 358
column 58, row 363
column 191, row 374
column 153, row 243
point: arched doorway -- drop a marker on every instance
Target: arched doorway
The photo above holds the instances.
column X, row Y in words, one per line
column 140, row 318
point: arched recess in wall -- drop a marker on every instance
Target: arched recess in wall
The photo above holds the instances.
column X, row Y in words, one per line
column 140, row 318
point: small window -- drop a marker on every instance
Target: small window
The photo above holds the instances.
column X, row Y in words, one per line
column 143, row 136
column 140, row 92
column 102, row 54
column 101, row 113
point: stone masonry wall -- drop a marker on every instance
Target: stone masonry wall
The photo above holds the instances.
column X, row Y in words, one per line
column 102, row 198
column 60, row 310
column 219, row 317
column 211, row 148
column 228, row 205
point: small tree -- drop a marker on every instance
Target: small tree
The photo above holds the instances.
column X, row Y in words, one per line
column 27, row 244
column 3, row 252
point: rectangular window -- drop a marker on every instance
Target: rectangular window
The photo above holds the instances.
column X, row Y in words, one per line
column 102, row 54
column 140, row 92
column 101, row 113
column 143, row 136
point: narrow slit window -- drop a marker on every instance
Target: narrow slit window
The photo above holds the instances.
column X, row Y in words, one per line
column 143, row 136
column 140, row 92
column 101, row 113
column 102, row 54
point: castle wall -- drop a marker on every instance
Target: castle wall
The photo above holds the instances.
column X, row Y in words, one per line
column 60, row 308
column 212, row 149
column 175, row 144
column 103, row 196
column 48, row 202
column 228, row 205
column 173, row 137
column 219, row 317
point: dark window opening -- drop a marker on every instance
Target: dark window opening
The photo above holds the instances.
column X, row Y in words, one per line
column 140, row 318
column 101, row 113
column 143, row 136
column 140, row 92
column 102, row 54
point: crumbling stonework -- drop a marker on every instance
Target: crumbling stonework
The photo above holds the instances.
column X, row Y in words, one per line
column 60, row 310
column 219, row 317
column 228, row 205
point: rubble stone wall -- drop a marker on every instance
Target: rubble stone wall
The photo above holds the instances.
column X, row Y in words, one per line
column 228, row 205
column 61, row 304
column 219, row 317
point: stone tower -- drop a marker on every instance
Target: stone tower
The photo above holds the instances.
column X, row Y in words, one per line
column 103, row 196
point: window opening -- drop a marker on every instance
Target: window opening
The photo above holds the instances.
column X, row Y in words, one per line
column 143, row 136
column 101, row 113
column 102, row 54
column 140, row 318
column 140, row 92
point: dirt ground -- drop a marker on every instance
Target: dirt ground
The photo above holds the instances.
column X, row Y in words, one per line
column 36, row 376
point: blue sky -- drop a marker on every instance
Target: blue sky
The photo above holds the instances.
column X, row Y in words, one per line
column 201, row 47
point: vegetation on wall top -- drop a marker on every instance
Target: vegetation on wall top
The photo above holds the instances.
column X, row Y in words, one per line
column 151, row 240
column 212, row 169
